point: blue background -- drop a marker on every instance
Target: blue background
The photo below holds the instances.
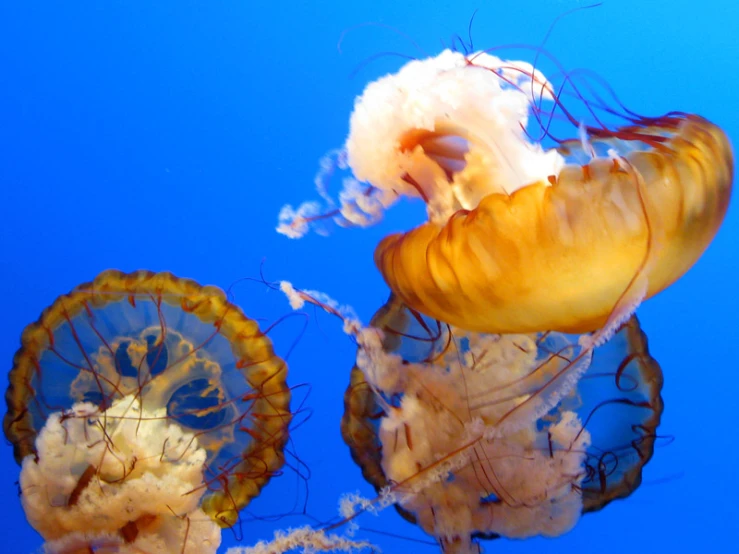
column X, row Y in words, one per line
column 167, row 135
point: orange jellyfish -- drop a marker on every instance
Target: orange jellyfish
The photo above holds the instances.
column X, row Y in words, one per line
column 520, row 238
column 146, row 411
column 438, row 420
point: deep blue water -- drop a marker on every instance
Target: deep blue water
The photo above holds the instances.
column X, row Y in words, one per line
column 167, row 135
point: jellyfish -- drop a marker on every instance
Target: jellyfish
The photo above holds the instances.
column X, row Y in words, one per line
column 437, row 418
column 146, row 410
column 521, row 238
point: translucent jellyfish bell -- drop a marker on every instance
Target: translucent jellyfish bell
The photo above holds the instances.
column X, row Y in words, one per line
column 446, row 433
column 151, row 375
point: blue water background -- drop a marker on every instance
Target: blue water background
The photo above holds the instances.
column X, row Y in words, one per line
column 167, row 135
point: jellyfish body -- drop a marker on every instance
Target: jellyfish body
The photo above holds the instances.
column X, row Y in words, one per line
column 438, row 421
column 152, row 358
column 521, row 238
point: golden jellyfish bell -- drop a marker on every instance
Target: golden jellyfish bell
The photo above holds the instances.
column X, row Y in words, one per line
column 559, row 254
column 429, row 431
column 166, row 346
column 521, row 238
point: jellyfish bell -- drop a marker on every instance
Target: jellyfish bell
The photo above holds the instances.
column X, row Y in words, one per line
column 146, row 411
column 423, row 420
column 559, row 253
column 520, row 238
